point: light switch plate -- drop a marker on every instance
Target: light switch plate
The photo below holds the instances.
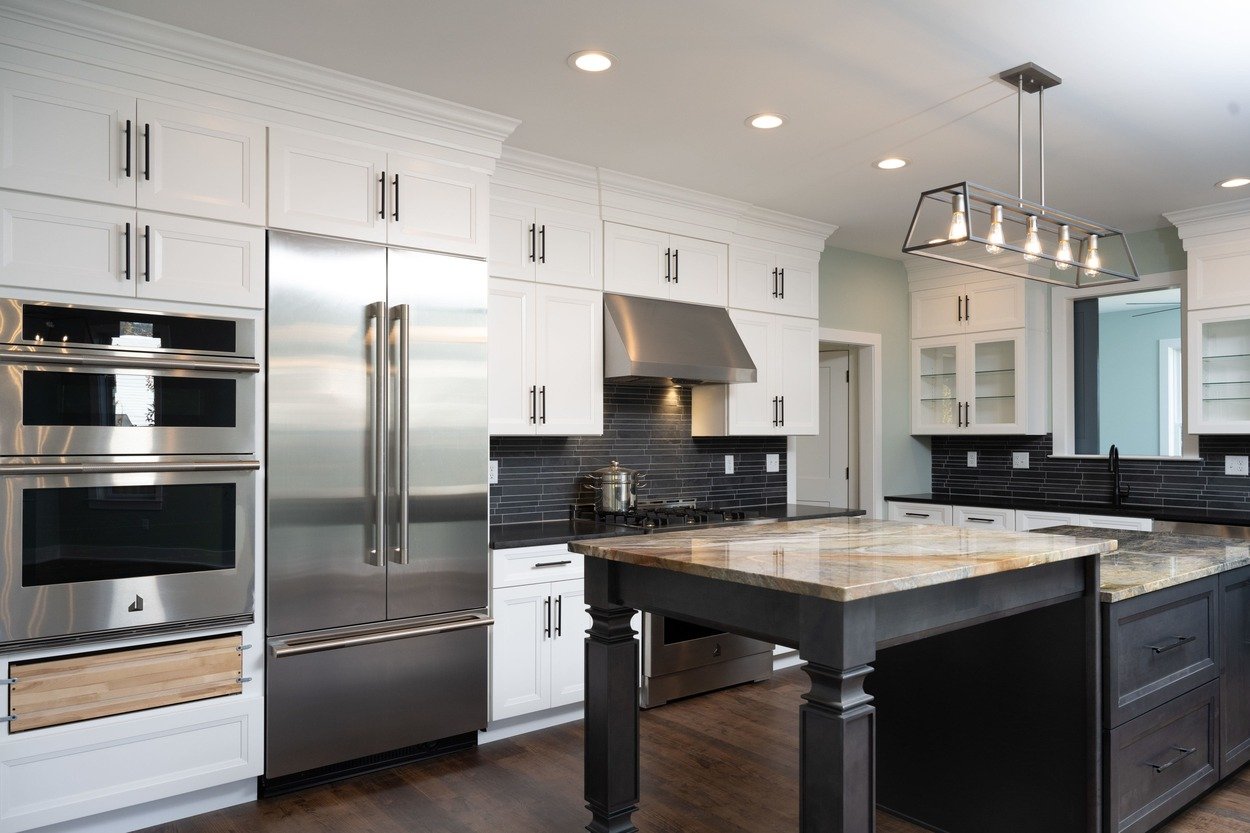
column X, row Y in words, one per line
column 772, row 462
column 972, row 459
column 1019, row 459
column 729, row 464
column 492, row 473
column 1237, row 465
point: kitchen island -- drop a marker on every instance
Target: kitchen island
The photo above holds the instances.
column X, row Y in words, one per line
column 838, row 590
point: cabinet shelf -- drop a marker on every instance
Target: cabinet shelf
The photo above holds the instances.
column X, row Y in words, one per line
column 1227, row 356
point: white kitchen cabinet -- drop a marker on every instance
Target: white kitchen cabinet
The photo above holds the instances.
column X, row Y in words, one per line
column 200, row 261
column 981, row 517
column 770, row 282
column 569, row 623
column 545, row 359
column 436, row 206
column 979, row 306
column 1028, row 520
column 1217, row 271
column 783, row 399
column 1218, row 373
column 1117, row 522
column 328, row 186
column 934, row 514
column 534, row 243
column 655, row 264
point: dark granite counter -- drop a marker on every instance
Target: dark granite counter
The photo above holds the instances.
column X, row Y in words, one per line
column 1162, row 513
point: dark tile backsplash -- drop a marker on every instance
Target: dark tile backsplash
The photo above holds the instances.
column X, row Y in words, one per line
column 1191, row 484
column 645, row 428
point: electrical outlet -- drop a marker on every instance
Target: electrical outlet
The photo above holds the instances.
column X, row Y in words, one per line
column 492, row 473
column 1237, row 465
column 972, row 459
column 772, row 462
column 1019, row 459
column 729, row 464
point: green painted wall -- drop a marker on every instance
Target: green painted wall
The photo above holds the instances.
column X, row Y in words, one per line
column 868, row 293
column 1158, row 250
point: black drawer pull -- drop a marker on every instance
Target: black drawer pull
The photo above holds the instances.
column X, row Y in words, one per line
column 552, row 563
column 1185, row 753
column 982, row 520
column 916, row 514
column 1180, row 640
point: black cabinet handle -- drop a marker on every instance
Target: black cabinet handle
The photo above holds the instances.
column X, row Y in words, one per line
column 676, row 266
column 774, row 283
column 959, row 306
column 1163, row 648
column 128, row 150
column 959, row 415
column 147, row 151
column 1185, row 753
column 542, row 243
column 147, row 254
column 533, row 242
column 395, row 207
column 782, row 274
column 382, row 196
column 916, row 514
column 127, row 238
column 533, row 404
column 775, row 423
column 981, row 520
column 668, row 265
column 559, row 613
column 552, row 563
column 542, row 401
column 968, row 307
column 782, row 400
column 547, row 616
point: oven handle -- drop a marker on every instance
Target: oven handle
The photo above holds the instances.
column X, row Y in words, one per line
column 128, row 467
column 154, row 363
column 282, row 648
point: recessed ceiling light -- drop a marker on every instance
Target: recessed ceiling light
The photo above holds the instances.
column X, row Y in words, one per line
column 591, row 60
column 1235, row 182
column 890, row 163
column 766, row 121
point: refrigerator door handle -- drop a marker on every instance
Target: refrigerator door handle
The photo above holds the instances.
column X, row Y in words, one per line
column 402, row 314
column 378, row 311
column 280, row 648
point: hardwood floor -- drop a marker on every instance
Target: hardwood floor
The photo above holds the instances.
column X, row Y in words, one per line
column 721, row 763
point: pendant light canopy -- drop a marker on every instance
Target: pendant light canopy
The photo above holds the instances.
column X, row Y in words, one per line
column 1016, row 236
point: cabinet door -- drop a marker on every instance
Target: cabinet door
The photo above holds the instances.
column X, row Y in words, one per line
column 1027, row 520
column 66, row 245
column 798, row 286
column 700, row 271
column 1234, row 608
column 635, row 261
column 59, row 138
column 513, row 241
column 1217, row 275
column 568, row 651
column 520, row 650
column 436, row 206
column 753, row 281
column 200, row 261
column 995, row 305
column 937, row 312
column 797, row 358
column 569, row 360
column 326, row 186
column 752, row 411
column 510, row 357
column 570, row 248
column 1218, row 379
column 994, row 399
column 936, row 391
column 1116, row 522
column 191, row 162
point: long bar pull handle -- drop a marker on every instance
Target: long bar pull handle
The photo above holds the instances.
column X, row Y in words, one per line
column 551, row 563
column 676, row 265
column 782, row 401
column 533, row 242
column 380, row 344
column 120, row 468
column 968, row 307
column 147, row 254
column 559, row 613
column 147, row 151
column 542, row 240
column 1169, row 646
column 42, row 357
column 542, row 401
column 959, row 306
column 382, row 196
column 917, row 514
column 1185, row 753
column 782, row 274
column 533, row 404
column 403, row 315
column 959, row 419
column 127, row 244
column 283, row 648
column 668, row 265
column 547, row 616
column 395, row 207
column 128, row 149
column 774, row 283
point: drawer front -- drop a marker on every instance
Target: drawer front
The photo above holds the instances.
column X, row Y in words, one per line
column 976, row 517
column 1162, row 760
column 920, row 513
column 1158, row 646
column 528, row 565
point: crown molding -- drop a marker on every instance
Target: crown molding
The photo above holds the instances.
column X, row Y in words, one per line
column 179, row 46
column 528, row 171
column 778, row 227
column 1205, row 220
column 631, row 194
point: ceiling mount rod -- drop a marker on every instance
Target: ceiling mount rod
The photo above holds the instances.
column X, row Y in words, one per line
column 1020, row 135
column 1041, row 145
column 1030, row 78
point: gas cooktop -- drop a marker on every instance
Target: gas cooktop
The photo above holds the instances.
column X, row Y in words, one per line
column 661, row 515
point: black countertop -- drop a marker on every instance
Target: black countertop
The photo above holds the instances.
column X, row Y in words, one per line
column 1188, row 514
column 540, row 533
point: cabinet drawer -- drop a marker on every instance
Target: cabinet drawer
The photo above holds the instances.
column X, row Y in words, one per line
column 529, row 565
column 976, row 517
column 920, row 513
column 1161, row 761
column 1158, row 646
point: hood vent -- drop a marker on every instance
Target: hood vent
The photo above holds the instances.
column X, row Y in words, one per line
column 646, row 341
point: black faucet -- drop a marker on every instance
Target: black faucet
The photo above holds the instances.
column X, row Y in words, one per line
column 1118, row 493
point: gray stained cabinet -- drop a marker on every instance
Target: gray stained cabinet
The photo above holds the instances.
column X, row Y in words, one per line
column 1234, row 670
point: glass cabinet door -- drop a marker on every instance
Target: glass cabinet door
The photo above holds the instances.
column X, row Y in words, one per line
column 994, row 367
column 1219, row 371
column 937, row 406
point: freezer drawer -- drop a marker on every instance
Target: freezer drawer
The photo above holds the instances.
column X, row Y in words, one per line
column 326, row 705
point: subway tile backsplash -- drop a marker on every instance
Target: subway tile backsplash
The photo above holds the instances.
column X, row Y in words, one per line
column 1189, row 484
column 645, row 428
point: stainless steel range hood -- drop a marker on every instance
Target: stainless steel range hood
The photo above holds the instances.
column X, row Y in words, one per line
column 646, row 340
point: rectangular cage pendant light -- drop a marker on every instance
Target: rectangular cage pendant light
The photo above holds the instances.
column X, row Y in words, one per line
column 980, row 227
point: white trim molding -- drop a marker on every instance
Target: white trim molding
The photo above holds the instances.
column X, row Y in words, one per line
column 1192, row 224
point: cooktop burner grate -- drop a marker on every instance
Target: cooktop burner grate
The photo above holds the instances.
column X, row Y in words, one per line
column 661, row 515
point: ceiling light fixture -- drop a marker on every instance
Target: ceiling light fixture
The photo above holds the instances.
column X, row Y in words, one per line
column 592, row 60
column 766, row 121
column 1235, row 182
column 1041, row 237
column 890, row 163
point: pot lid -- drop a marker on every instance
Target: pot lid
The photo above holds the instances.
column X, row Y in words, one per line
column 614, row 471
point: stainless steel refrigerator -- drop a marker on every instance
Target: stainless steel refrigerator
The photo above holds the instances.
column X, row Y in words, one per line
column 377, row 507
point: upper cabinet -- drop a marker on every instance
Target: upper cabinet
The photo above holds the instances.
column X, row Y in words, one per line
column 656, row 264
column 974, row 307
column 768, row 281
column 548, row 245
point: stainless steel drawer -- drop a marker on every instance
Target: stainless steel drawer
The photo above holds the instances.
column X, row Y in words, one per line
column 1158, row 646
column 1161, row 761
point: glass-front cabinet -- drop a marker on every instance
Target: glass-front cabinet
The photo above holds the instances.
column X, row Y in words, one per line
column 970, row 384
column 1219, row 370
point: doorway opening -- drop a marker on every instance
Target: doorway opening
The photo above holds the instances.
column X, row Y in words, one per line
column 827, row 473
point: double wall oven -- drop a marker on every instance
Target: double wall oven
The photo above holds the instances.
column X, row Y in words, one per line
column 127, row 471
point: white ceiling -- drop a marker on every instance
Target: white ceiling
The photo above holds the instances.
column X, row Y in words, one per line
column 1153, row 110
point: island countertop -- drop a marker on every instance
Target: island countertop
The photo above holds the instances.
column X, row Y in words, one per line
column 842, row 559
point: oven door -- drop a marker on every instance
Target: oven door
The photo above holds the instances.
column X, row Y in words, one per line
column 100, row 546
column 89, row 404
column 673, row 645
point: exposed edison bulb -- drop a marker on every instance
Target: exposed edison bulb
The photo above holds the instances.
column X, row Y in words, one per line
column 1063, row 255
column 1092, row 261
column 1032, row 243
column 994, row 240
column 959, row 221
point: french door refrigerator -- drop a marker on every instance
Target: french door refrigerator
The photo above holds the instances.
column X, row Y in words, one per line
column 377, row 507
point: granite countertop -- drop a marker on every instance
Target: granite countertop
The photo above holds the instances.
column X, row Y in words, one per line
column 842, row 558
column 540, row 533
column 1163, row 513
column 1149, row 561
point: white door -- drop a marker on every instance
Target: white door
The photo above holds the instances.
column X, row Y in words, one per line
column 570, row 248
column 326, row 186
column 206, row 165
column 520, row 650
column 700, row 271
column 67, row 245
column 512, row 395
column 995, row 305
column 753, row 282
column 636, row 261
column 752, row 410
column 798, row 286
column 1218, row 363
column 995, row 395
column 937, row 312
column 824, row 460
column 435, row 206
column 570, row 621
column 512, row 240
column 796, row 359
column 200, row 261
column 937, row 405
column 568, row 332
column 59, row 138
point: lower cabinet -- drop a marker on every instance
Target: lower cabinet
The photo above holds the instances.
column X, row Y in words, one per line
column 976, row 517
column 920, row 513
column 1234, row 607
column 1020, row 520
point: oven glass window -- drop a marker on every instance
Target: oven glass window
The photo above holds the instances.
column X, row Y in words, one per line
column 130, row 330
column 126, row 400
column 99, row 533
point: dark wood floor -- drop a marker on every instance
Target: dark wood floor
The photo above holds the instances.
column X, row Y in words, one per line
column 722, row 763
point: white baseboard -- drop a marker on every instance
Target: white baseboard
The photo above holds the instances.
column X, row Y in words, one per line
column 161, row 811
column 789, row 659
column 513, row 726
